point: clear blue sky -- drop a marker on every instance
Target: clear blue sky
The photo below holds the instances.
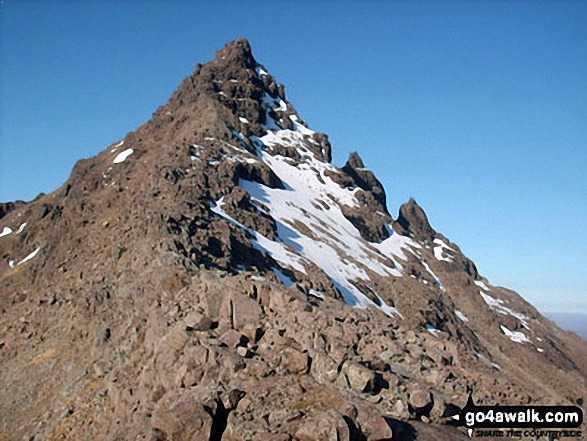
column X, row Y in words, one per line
column 476, row 109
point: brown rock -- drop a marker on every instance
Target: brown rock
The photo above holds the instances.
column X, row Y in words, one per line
column 413, row 219
column 294, row 361
column 324, row 426
column 198, row 322
column 182, row 417
column 245, row 315
column 420, row 403
column 360, row 378
column 230, row 338
column 324, row 369
column 372, row 424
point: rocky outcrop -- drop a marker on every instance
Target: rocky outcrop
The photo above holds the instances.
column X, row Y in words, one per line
column 370, row 217
column 414, row 221
column 365, row 179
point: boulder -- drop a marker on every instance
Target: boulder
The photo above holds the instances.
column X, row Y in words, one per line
column 372, row 423
column 359, row 377
column 294, row 361
column 182, row 417
column 324, row 369
column 420, row 403
column 245, row 315
column 323, row 426
column 230, row 338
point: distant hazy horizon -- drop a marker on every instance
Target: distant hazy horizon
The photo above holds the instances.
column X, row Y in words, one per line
column 570, row 321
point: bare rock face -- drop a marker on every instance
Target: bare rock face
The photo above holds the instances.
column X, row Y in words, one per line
column 414, row 221
column 214, row 276
column 365, row 179
column 7, row 207
column 370, row 216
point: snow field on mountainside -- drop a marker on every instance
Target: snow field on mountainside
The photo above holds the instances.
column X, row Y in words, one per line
column 275, row 249
column 312, row 200
column 439, row 251
column 497, row 305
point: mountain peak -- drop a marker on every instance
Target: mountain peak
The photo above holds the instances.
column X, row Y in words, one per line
column 219, row 250
column 238, row 51
column 414, row 220
column 355, row 161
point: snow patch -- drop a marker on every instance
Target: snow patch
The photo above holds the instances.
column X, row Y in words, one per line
column 116, row 146
column 30, row 256
column 460, row 315
column 6, row 231
column 515, row 336
column 432, row 330
column 121, row 157
column 481, row 285
column 21, row 228
column 195, row 151
column 497, row 305
column 443, row 244
column 282, row 105
column 270, row 103
column 299, row 127
column 315, row 293
column 283, row 278
column 436, row 279
column 243, row 120
column 439, row 251
column 275, row 249
column 332, row 243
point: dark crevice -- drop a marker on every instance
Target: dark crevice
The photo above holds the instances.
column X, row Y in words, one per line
column 219, row 420
column 402, row 431
column 355, row 434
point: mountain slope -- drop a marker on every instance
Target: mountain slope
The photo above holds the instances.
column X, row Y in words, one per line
column 213, row 275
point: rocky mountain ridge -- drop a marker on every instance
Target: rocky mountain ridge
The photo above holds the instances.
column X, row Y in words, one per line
column 214, row 276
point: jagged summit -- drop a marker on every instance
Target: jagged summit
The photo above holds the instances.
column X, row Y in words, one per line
column 413, row 219
column 237, row 52
column 366, row 180
column 354, row 161
column 214, row 276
